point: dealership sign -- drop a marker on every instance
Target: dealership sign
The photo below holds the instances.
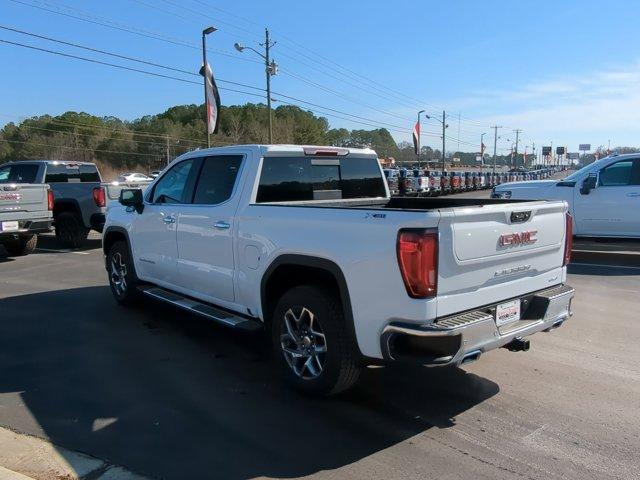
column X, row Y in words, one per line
column 585, row 147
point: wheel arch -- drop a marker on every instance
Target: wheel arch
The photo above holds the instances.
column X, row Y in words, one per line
column 112, row 235
column 290, row 270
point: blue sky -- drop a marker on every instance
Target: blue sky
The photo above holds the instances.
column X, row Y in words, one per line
column 562, row 71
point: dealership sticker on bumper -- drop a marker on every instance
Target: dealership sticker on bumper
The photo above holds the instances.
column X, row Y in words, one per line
column 508, row 312
column 9, row 226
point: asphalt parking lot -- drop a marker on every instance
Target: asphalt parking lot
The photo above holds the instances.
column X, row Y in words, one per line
column 173, row 396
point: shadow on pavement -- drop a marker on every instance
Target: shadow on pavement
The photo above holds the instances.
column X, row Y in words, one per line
column 603, row 270
column 174, row 396
column 49, row 242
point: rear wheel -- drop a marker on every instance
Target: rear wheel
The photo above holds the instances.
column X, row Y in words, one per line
column 70, row 230
column 313, row 348
column 122, row 277
column 22, row 246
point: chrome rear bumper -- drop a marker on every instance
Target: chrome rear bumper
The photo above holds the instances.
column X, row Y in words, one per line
column 454, row 339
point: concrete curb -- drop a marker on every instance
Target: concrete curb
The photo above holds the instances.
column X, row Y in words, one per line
column 26, row 457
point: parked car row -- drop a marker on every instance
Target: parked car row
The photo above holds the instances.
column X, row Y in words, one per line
column 36, row 195
column 418, row 182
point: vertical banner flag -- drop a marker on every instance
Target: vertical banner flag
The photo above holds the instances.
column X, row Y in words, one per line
column 482, row 149
column 416, row 138
column 213, row 100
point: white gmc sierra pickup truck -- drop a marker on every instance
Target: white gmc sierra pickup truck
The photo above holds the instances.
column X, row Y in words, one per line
column 305, row 243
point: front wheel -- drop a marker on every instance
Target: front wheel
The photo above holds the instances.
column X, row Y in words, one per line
column 122, row 278
column 313, row 347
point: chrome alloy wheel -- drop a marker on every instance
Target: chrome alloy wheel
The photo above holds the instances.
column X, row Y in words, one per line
column 303, row 343
column 118, row 274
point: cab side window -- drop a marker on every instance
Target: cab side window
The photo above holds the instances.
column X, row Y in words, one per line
column 618, row 174
column 171, row 188
column 217, row 179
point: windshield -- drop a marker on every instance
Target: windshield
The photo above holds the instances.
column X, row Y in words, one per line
column 18, row 173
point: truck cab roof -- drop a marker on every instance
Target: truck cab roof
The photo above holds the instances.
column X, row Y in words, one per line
column 266, row 150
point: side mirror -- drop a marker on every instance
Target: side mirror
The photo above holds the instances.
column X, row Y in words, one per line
column 589, row 183
column 132, row 197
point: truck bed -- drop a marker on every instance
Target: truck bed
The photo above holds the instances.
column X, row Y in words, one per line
column 401, row 203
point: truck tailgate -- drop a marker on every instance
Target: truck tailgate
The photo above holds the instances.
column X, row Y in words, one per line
column 499, row 251
column 23, row 201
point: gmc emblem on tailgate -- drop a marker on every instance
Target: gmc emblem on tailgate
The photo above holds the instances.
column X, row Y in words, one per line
column 518, row 238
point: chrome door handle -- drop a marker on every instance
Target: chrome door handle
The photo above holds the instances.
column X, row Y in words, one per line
column 222, row 225
column 169, row 219
column 633, row 194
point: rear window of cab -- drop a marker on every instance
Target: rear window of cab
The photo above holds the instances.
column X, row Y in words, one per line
column 290, row 179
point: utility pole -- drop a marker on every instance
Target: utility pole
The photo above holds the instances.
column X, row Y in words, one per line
column 168, row 154
column 267, row 46
column 495, row 145
column 444, row 126
column 270, row 69
column 418, row 143
column 517, row 132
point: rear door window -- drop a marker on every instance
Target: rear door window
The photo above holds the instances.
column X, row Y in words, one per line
column 217, row 179
column 18, row 173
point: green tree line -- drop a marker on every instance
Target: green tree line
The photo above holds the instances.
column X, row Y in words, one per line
column 147, row 142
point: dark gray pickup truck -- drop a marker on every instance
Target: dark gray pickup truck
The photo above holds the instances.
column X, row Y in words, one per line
column 25, row 208
column 80, row 196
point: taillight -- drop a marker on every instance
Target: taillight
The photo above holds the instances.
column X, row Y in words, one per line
column 99, row 197
column 50, row 200
column 418, row 261
column 568, row 242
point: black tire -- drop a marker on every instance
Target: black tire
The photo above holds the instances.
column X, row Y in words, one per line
column 340, row 363
column 70, row 230
column 125, row 293
column 22, row 246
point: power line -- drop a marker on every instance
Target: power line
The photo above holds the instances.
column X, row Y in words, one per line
column 145, row 33
column 85, row 17
column 124, row 57
column 82, row 148
column 334, row 111
column 63, row 132
column 116, row 130
column 146, row 72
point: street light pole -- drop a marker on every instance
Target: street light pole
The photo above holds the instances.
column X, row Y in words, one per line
column 444, row 126
column 495, row 145
column 482, row 150
column 206, row 32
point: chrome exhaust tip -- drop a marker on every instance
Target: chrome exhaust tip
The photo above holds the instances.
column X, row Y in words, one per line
column 471, row 357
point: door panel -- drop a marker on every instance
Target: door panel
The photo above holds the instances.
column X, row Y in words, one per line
column 205, row 231
column 155, row 250
column 613, row 208
column 154, row 243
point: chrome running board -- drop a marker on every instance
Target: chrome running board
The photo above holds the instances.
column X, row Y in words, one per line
column 203, row 309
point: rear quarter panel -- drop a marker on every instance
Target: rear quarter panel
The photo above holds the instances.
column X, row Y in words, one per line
column 362, row 243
